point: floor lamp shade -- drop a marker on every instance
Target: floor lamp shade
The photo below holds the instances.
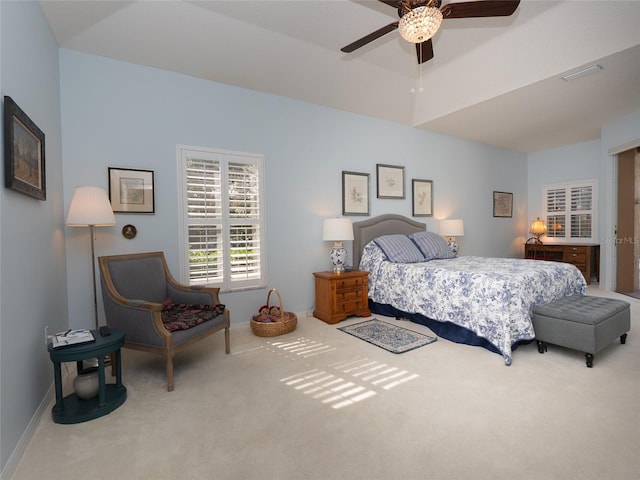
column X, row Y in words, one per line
column 90, row 207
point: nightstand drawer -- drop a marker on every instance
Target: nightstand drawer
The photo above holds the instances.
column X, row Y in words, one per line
column 348, row 308
column 349, row 295
column 348, row 284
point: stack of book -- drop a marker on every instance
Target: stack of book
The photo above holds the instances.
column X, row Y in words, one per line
column 72, row 337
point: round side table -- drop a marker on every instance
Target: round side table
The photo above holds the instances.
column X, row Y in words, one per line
column 72, row 409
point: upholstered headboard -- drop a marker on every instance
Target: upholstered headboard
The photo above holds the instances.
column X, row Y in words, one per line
column 367, row 230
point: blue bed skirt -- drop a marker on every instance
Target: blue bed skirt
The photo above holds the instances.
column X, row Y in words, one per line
column 446, row 330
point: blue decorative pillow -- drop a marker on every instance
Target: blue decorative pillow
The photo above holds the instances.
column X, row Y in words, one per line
column 432, row 245
column 399, row 249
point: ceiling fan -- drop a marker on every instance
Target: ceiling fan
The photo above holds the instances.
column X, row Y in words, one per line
column 421, row 19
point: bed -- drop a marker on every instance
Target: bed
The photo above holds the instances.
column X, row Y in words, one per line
column 478, row 301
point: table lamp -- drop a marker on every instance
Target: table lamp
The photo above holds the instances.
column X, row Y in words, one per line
column 337, row 230
column 450, row 229
column 538, row 228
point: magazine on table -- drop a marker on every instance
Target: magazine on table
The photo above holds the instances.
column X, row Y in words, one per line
column 72, row 337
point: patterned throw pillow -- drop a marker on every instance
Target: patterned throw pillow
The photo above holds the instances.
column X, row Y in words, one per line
column 432, row 245
column 399, row 249
column 182, row 316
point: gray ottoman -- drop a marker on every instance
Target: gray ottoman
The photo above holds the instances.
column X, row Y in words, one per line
column 582, row 323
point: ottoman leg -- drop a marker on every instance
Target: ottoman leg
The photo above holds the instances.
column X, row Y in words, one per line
column 589, row 358
column 623, row 338
column 542, row 347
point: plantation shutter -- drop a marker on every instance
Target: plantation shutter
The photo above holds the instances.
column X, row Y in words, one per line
column 570, row 211
column 223, row 218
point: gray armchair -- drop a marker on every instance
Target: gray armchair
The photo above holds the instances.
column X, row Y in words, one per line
column 158, row 314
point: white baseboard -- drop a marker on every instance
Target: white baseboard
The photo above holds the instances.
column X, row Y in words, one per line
column 44, row 407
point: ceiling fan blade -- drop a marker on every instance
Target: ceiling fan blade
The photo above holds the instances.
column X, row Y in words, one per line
column 424, row 51
column 488, row 8
column 369, row 38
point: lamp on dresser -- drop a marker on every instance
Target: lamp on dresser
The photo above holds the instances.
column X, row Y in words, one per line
column 450, row 229
column 90, row 207
column 538, row 228
column 337, row 230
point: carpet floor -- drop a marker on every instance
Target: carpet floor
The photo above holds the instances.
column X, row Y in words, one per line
column 320, row 404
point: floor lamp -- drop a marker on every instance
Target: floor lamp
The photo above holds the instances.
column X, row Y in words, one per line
column 90, row 207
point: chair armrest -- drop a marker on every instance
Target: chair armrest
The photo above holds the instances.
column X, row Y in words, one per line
column 194, row 295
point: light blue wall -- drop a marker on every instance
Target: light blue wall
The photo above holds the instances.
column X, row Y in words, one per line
column 32, row 256
column 585, row 161
column 123, row 115
column 615, row 137
column 570, row 163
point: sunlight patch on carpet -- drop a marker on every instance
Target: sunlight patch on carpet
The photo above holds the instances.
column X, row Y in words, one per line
column 376, row 373
column 300, row 347
column 390, row 337
column 339, row 391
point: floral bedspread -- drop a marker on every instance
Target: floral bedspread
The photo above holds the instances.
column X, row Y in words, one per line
column 492, row 297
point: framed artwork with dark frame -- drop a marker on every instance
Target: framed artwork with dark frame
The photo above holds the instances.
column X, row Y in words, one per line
column 502, row 204
column 422, row 198
column 355, row 193
column 390, row 179
column 131, row 191
column 23, row 153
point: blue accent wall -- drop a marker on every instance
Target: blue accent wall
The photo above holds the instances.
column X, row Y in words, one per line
column 32, row 257
column 118, row 114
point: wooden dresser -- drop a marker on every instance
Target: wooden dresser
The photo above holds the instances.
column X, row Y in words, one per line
column 339, row 295
column 584, row 256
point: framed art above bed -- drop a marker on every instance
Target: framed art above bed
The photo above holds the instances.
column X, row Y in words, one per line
column 390, row 179
column 355, row 193
column 422, row 194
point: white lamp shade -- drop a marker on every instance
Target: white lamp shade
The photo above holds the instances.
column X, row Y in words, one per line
column 90, row 206
column 451, row 227
column 337, row 229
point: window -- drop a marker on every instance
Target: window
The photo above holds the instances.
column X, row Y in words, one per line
column 222, row 218
column 570, row 211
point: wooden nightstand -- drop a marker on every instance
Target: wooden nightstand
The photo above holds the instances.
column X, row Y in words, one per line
column 339, row 295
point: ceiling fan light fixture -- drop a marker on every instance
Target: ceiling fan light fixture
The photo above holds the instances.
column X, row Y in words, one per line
column 420, row 24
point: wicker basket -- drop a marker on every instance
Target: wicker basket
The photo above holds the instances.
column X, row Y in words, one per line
column 287, row 323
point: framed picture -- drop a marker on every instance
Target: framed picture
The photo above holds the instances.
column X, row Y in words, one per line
column 355, row 193
column 502, row 204
column 23, row 153
column 422, row 198
column 131, row 191
column 390, row 181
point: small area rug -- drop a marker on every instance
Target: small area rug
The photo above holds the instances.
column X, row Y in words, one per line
column 388, row 336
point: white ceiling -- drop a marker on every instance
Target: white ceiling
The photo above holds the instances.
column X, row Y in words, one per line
column 492, row 80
